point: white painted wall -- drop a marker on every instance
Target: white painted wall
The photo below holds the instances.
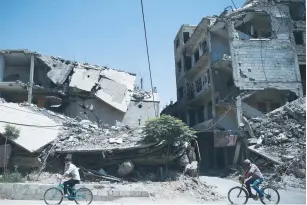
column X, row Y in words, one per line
column 110, row 115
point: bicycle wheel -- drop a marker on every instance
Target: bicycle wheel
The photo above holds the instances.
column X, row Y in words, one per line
column 55, row 194
column 269, row 193
column 84, row 196
column 238, row 193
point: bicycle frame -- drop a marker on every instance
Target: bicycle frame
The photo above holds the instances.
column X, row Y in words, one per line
column 70, row 190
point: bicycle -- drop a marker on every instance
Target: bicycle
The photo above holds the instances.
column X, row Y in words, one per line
column 74, row 194
column 243, row 189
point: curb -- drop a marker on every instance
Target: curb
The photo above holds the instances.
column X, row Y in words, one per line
column 23, row 191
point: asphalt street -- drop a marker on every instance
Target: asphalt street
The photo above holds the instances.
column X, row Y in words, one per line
column 289, row 196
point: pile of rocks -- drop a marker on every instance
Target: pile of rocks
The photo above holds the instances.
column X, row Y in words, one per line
column 282, row 137
column 286, row 124
column 185, row 186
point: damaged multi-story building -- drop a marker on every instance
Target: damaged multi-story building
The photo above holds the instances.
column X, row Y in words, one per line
column 241, row 64
column 75, row 89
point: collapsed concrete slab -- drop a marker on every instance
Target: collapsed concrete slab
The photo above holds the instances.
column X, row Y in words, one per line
column 36, row 130
column 111, row 86
column 82, row 90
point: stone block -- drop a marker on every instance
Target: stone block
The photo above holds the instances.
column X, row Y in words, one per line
column 125, row 193
column 28, row 197
column 102, row 192
column 145, row 194
column 136, row 193
column 115, row 193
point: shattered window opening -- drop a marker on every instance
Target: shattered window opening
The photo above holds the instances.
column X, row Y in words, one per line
column 303, row 77
column 255, row 25
column 192, row 117
column 190, row 91
column 187, row 63
column 299, row 37
column 209, row 110
column 196, row 56
column 200, row 114
column 198, row 84
column 204, row 46
column 186, row 36
column 180, row 93
column 297, row 11
column 179, row 66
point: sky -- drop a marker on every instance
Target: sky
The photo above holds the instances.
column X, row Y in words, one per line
column 107, row 32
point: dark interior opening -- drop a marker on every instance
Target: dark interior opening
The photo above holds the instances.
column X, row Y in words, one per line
column 303, row 77
column 298, row 36
column 186, row 36
column 297, row 11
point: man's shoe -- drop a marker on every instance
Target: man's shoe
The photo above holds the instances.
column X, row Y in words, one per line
column 252, row 196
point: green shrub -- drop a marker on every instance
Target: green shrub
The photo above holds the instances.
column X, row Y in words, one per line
column 167, row 128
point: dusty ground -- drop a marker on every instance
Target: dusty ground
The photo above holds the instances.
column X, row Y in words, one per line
column 289, row 196
column 192, row 188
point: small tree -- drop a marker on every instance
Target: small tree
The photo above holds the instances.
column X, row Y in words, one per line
column 10, row 133
column 167, row 128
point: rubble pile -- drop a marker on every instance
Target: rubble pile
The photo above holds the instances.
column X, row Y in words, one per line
column 286, row 124
column 281, row 138
column 185, row 185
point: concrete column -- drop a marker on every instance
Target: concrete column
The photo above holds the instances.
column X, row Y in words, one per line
column 239, row 109
column 31, row 80
column 237, row 153
column 2, row 65
column 211, row 74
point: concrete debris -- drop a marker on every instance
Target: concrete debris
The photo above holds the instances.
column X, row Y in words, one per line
column 197, row 188
column 125, row 168
column 282, row 138
column 192, row 169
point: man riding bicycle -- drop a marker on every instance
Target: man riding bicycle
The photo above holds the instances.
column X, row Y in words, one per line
column 72, row 171
column 256, row 178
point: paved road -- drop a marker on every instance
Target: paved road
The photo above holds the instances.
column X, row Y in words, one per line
column 290, row 196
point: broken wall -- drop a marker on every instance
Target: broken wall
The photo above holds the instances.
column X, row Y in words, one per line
column 139, row 112
column 227, row 120
column 270, row 99
column 14, row 73
column 110, row 86
column 265, row 63
column 219, row 47
column 95, row 110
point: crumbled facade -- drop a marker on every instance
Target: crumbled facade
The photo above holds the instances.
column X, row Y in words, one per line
column 86, row 91
column 240, row 64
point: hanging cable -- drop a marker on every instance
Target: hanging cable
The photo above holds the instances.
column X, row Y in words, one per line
column 148, row 59
column 233, row 4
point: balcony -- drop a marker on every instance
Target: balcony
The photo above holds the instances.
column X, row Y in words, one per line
column 223, row 63
column 206, row 125
column 203, row 62
column 200, row 97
